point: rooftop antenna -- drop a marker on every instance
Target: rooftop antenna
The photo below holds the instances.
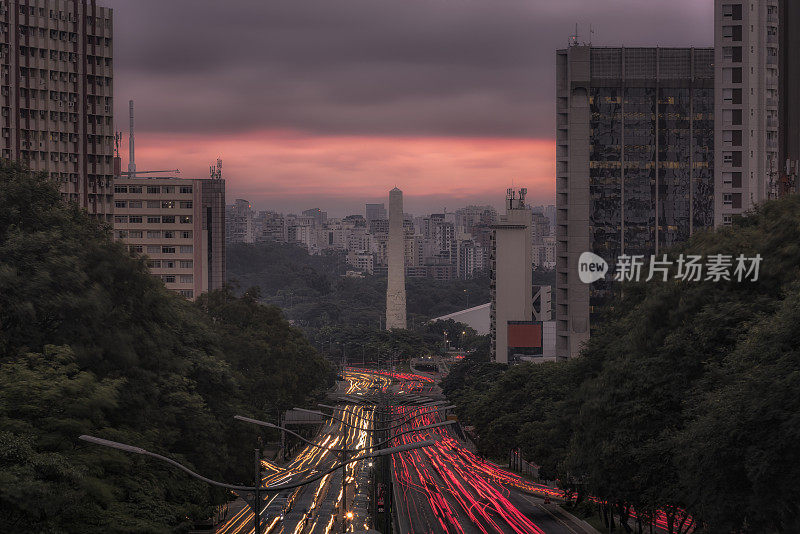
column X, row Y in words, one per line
column 216, row 170
column 131, row 159
column 573, row 39
column 117, row 141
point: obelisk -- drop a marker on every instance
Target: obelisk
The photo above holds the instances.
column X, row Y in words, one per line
column 396, row 284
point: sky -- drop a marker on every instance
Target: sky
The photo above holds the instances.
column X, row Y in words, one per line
column 331, row 103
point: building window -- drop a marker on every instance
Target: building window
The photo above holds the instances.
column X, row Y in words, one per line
column 727, row 199
column 120, row 219
column 187, row 249
column 727, row 220
column 120, row 204
column 153, row 204
column 169, row 234
column 135, row 189
column 136, row 219
column 168, row 278
column 154, row 264
column 186, row 189
column 186, row 234
column 120, row 189
column 136, row 248
column 134, row 203
column 186, row 204
column 186, row 264
column 153, row 189
column 168, row 204
column 122, row 234
column 153, row 234
column 153, row 220
column 186, row 279
column 186, row 219
column 168, row 250
column 135, row 234
column 153, row 249
column 168, row 219
column 188, row 293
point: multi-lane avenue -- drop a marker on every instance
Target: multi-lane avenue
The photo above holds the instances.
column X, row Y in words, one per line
column 442, row 488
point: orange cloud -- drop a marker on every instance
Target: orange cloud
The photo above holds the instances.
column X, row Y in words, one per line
column 271, row 165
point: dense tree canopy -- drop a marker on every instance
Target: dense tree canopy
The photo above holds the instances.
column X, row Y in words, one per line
column 91, row 343
column 685, row 398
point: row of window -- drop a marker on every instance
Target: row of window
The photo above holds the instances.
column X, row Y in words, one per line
column 161, row 249
column 170, row 264
column 182, row 278
column 164, row 204
column 61, row 15
column 153, row 234
column 153, row 189
column 153, row 219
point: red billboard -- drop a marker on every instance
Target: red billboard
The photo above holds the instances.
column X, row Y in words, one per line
column 525, row 334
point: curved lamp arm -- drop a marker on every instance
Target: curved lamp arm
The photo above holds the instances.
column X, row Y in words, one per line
column 137, row 450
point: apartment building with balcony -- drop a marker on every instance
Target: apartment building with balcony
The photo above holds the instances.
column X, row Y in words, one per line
column 56, row 95
column 747, row 38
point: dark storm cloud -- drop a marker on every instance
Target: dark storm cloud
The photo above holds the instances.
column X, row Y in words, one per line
column 368, row 67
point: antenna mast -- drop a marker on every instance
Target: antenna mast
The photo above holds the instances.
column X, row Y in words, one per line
column 131, row 159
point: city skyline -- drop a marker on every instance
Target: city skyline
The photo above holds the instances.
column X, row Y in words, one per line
column 454, row 116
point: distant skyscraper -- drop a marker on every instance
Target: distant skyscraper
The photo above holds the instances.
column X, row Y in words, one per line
column 747, row 44
column 239, row 225
column 57, row 96
column 375, row 212
column 396, row 282
column 634, row 164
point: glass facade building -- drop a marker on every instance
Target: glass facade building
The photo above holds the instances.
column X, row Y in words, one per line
column 635, row 150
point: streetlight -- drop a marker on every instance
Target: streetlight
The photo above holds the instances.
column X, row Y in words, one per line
column 257, row 488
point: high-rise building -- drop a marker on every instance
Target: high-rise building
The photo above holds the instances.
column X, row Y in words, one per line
column 239, row 224
column 789, row 95
column 179, row 224
column 634, row 164
column 375, row 211
column 511, row 312
column 747, row 78
column 56, row 61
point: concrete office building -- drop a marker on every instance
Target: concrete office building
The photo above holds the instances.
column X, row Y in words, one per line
column 634, row 164
column 56, row 62
column 396, row 282
column 747, row 51
column 179, row 224
column 511, row 277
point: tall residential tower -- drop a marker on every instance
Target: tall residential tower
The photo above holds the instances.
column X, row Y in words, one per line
column 57, row 95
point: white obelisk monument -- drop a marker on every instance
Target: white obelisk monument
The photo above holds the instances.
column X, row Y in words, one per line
column 396, row 285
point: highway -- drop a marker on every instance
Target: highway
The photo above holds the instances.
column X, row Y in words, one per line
column 314, row 508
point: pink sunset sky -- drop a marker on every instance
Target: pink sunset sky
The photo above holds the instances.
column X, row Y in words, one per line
column 331, row 103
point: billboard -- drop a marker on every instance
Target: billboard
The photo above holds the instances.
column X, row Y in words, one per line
column 524, row 338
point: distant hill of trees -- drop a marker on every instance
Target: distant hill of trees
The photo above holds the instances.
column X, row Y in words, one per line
column 687, row 396
column 91, row 343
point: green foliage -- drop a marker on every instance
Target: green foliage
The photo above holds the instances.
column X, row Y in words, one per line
column 313, row 292
column 684, row 398
column 91, row 343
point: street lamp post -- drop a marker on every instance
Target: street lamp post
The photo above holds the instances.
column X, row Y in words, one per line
column 257, row 487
